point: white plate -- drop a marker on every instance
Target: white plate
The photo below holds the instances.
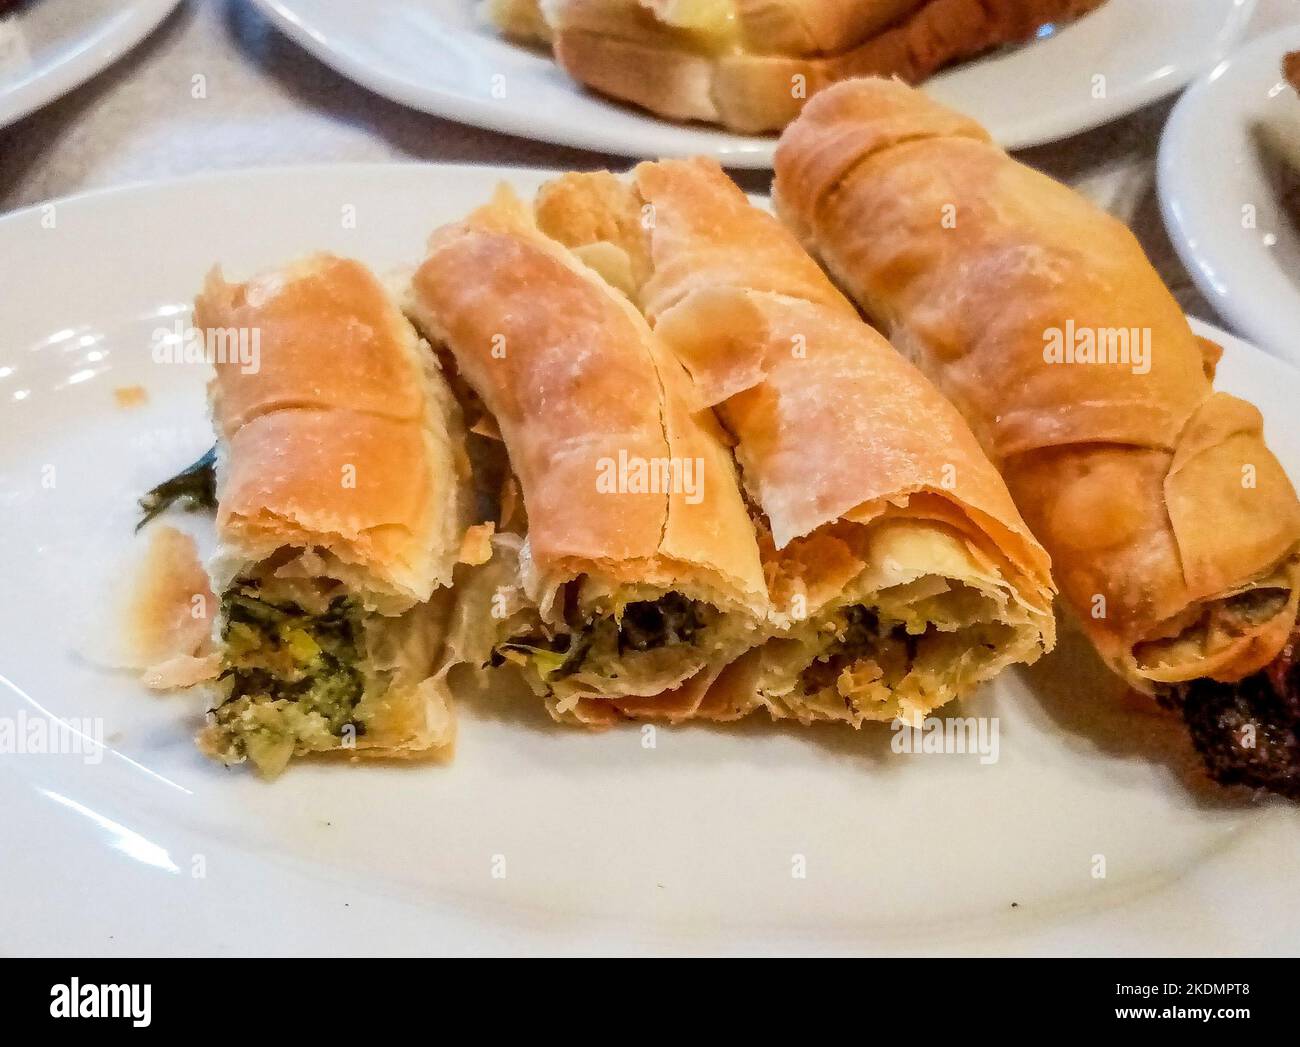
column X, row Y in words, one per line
column 439, row 56
column 51, row 46
column 608, row 845
column 1211, row 171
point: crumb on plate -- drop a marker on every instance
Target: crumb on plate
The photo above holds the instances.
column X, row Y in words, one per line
column 129, row 396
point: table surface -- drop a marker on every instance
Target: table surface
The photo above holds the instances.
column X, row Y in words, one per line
column 270, row 103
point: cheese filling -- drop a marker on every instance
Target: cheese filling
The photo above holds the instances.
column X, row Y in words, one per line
column 878, row 662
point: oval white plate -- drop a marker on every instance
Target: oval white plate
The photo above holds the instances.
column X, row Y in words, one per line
column 51, row 46
column 439, row 56
column 1211, row 171
column 605, row 843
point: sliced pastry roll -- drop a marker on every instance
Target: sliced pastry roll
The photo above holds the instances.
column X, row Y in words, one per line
column 341, row 504
column 636, row 578
column 900, row 571
column 1174, row 528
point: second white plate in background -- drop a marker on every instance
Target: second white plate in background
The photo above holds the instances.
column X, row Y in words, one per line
column 1246, row 262
column 439, row 56
column 48, row 47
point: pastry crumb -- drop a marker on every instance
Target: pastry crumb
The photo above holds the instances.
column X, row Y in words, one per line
column 476, row 546
column 128, row 396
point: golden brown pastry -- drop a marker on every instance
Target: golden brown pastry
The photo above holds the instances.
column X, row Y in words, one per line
column 1173, row 529
column 341, row 505
column 946, row 31
column 636, row 578
column 900, row 571
column 751, row 64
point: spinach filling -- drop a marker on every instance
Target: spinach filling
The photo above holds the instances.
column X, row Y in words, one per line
column 642, row 626
column 194, row 486
column 278, row 653
column 671, row 619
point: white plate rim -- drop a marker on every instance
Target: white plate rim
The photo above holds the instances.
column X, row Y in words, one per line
column 51, row 84
column 1243, row 284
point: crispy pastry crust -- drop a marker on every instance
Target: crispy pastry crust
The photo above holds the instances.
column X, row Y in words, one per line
column 573, row 376
column 341, row 440
column 1161, row 505
column 725, row 276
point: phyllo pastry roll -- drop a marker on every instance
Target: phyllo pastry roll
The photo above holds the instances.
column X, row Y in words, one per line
column 639, row 578
column 899, row 568
column 1172, row 526
column 341, row 504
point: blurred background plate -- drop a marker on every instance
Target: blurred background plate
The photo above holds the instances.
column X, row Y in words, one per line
column 48, row 47
column 439, row 56
column 1221, row 203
